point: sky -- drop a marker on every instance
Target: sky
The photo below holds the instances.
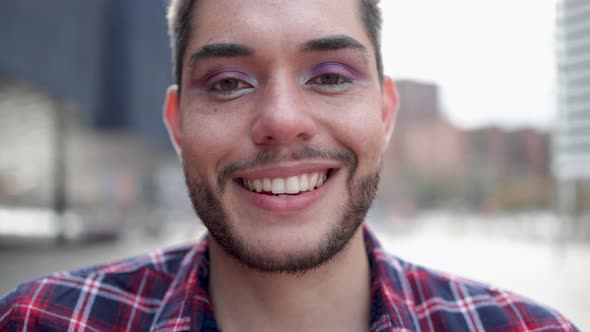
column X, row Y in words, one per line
column 492, row 59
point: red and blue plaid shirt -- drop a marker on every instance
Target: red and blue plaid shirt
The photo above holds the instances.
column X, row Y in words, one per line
column 168, row 291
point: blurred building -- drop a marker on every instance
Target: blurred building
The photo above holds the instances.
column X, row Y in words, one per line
column 529, row 153
column 102, row 169
column 509, row 153
column 508, row 169
column 419, row 101
column 434, row 164
column 82, row 85
column 110, row 57
column 571, row 146
column 424, row 139
column 427, row 155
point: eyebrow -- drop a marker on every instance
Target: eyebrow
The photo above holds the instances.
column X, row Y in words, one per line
column 219, row 50
column 230, row 50
column 333, row 43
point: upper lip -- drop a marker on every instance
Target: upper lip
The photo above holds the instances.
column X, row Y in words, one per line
column 286, row 170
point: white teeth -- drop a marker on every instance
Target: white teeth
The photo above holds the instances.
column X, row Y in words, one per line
column 313, row 180
column 321, row 180
column 278, row 186
column 248, row 184
column 257, row 185
column 303, row 186
column 266, row 185
column 291, row 185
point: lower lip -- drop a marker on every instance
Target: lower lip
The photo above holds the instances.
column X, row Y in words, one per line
column 290, row 204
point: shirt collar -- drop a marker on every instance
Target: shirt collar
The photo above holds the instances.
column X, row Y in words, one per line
column 187, row 305
column 392, row 301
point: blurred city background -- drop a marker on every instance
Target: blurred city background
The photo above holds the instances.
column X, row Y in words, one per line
column 87, row 173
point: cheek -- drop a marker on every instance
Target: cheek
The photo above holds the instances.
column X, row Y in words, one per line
column 361, row 130
column 368, row 140
column 207, row 140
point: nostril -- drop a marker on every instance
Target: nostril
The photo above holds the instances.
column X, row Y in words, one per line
column 282, row 125
column 303, row 136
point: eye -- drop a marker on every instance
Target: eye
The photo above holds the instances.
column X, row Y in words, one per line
column 229, row 87
column 333, row 79
column 227, row 84
column 330, row 79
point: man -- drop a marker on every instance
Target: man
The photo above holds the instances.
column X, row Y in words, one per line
column 280, row 117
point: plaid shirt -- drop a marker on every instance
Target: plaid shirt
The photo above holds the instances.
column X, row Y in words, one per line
column 168, row 291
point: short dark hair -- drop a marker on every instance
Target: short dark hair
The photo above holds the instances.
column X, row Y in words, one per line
column 180, row 14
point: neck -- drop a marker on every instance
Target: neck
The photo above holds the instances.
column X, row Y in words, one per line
column 334, row 297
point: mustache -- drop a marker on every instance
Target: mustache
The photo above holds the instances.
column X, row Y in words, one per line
column 267, row 157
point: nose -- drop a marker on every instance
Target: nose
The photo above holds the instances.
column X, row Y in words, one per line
column 283, row 116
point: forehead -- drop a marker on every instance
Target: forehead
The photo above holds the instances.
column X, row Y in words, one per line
column 275, row 24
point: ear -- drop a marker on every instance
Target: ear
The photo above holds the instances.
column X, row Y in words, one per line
column 390, row 104
column 172, row 118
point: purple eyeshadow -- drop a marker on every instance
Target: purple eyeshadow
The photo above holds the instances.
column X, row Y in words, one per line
column 219, row 74
column 336, row 68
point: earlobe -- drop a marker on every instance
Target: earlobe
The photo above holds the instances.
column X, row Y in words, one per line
column 390, row 106
column 172, row 118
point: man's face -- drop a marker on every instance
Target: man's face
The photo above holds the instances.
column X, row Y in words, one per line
column 281, row 126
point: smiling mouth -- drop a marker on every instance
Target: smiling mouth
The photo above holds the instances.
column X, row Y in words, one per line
column 292, row 185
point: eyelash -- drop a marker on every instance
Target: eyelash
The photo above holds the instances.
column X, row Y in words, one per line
column 243, row 87
column 341, row 73
column 342, row 81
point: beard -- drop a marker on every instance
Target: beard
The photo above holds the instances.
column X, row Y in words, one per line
column 361, row 190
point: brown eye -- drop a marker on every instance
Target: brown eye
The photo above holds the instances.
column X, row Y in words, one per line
column 228, row 84
column 330, row 79
column 229, row 88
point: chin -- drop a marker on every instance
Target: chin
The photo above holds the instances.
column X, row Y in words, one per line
column 287, row 250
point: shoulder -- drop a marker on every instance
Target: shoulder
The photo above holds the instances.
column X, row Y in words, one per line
column 445, row 302
column 100, row 293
